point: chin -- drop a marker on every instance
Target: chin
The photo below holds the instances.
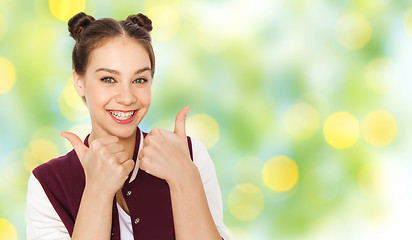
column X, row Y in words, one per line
column 126, row 133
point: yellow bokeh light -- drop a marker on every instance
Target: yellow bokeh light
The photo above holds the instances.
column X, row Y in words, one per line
column 280, row 173
column 246, row 202
column 353, row 31
column 70, row 104
column 165, row 18
column 47, row 132
column 30, row 162
column 247, row 170
column 341, row 130
column 7, row 230
column 238, row 233
column 39, row 151
column 381, row 75
column 8, row 77
column 379, row 128
column 43, row 149
column 301, row 121
column 204, row 128
column 71, row 97
column 81, row 130
column 65, row 9
column 3, row 26
column 407, row 22
column 370, row 180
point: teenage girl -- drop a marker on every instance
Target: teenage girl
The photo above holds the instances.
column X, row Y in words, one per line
column 122, row 183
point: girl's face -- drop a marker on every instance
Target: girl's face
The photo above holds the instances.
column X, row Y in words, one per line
column 117, row 87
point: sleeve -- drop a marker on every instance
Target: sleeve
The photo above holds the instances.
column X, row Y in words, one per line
column 206, row 168
column 42, row 220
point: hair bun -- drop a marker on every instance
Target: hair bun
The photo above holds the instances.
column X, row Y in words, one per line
column 78, row 23
column 141, row 20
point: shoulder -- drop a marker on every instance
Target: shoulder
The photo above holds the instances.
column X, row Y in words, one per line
column 60, row 167
column 201, row 158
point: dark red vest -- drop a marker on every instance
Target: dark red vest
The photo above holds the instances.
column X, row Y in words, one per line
column 147, row 197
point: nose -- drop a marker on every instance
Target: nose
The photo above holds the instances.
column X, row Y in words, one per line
column 125, row 95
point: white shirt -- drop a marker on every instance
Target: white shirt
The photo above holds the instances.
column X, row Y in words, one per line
column 44, row 223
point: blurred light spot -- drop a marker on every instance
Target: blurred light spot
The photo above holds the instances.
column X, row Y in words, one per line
column 379, row 128
column 62, row 52
column 280, row 173
column 43, row 149
column 47, row 132
column 14, row 173
column 3, row 26
column 8, row 75
column 381, row 75
column 71, row 97
column 238, row 233
column 341, row 130
column 165, row 18
column 7, row 230
column 248, row 170
column 30, row 161
column 81, row 130
column 71, row 104
column 65, row 9
column 39, row 151
column 370, row 180
column 301, row 121
column 407, row 22
column 246, row 202
column 204, row 128
column 353, row 31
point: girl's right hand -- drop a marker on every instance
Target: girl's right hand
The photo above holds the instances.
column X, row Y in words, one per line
column 106, row 164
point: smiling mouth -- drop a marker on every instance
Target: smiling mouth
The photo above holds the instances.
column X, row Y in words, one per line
column 121, row 115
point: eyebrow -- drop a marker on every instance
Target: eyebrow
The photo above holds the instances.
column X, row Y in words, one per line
column 118, row 73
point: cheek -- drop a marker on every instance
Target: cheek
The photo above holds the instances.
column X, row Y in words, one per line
column 96, row 97
column 146, row 96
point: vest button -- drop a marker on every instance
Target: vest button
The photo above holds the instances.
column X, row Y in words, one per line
column 128, row 193
column 137, row 220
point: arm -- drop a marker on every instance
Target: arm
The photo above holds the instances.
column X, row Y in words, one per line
column 106, row 166
column 42, row 220
column 165, row 155
column 94, row 219
column 191, row 214
column 206, row 168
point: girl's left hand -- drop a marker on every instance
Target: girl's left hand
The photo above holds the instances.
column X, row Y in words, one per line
column 165, row 154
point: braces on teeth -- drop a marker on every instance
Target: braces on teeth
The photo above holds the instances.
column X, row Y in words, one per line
column 122, row 116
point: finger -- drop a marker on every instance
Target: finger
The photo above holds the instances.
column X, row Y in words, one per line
column 76, row 142
column 180, row 122
column 121, row 157
column 115, row 147
column 103, row 141
column 129, row 165
column 140, row 155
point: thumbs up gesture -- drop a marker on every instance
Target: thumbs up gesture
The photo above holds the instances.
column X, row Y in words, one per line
column 165, row 154
column 106, row 164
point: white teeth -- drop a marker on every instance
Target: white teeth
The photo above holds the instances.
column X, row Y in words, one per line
column 122, row 115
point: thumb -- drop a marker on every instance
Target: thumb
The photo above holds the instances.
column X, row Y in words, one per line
column 76, row 142
column 180, row 122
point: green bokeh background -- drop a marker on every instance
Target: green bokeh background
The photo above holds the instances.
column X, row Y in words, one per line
column 243, row 63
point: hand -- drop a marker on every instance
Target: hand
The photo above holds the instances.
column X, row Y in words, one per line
column 106, row 164
column 165, row 154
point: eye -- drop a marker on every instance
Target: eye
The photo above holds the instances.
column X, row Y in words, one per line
column 107, row 80
column 140, row 80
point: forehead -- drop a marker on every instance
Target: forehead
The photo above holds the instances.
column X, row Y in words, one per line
column 121, row 53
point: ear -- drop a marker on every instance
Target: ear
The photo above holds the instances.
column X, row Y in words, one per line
column 78, row 83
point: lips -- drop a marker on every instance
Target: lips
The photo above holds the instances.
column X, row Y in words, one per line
column 122, row 117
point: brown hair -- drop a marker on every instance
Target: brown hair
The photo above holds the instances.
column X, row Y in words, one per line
column 90, row 34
